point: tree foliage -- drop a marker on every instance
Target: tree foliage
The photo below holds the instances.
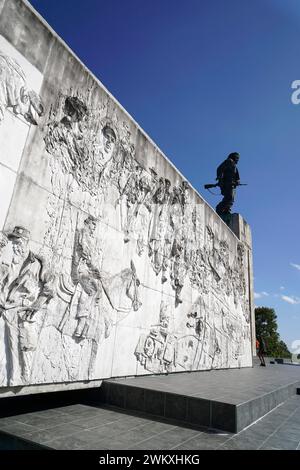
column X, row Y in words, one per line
column 266, row 327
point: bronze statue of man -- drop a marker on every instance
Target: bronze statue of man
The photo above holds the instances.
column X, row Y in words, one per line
column 228, row 179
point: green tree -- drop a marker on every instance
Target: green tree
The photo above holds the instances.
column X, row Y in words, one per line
column 266, row 327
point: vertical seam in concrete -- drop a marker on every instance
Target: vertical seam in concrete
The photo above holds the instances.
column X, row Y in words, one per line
column 11, row 198
column 113, row 351
column 2, row 6
column 48, row 57
column 186, row 409
column 144, row 400
column 124, row 396
column 107, row 393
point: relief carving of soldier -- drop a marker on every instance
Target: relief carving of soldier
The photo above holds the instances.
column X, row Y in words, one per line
column 75, row 142
column 96, row 300
column 103, row 157
column 92, row 321
column 178, row 269
column 25, row 287
column 156, row 351
column 142, row 212
column 84, row 318
column 64, row 138
column 87, row 278
column 159, row 225
column 196, row 317
column 129, row 199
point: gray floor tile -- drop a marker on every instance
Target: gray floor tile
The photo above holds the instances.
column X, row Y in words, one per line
column 281, row 443
column 68, row 443
column 240, row 444
column 95, row 422
column 154, row 443
column 62, row 431
column 16, row 428
column 196, row 445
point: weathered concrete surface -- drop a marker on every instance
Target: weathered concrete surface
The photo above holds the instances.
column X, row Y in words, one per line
column 111, row 263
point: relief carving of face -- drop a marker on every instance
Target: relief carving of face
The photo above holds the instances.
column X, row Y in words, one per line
column 35, row 108
column 109, row 140
column 75, row 111
column 90, row 225
column 32, row 108
column 19, row 246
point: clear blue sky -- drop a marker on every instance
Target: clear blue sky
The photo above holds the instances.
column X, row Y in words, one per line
column 204, row 78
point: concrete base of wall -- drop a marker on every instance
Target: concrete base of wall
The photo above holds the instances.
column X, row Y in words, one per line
column 6, row 392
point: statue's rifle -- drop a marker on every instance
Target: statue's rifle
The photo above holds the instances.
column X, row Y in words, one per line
column 215, row 185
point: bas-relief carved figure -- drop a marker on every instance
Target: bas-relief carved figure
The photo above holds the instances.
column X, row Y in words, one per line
column 163, row 350
column 26, row 286
column 95, row 300
column 85, row 289
column 77, row 144
column 92, row 156
column 14, row 93
column 157, row 350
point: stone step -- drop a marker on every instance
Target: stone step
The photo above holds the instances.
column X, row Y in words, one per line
column 226, row 400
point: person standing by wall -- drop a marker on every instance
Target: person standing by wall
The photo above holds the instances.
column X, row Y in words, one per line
column 261, row 350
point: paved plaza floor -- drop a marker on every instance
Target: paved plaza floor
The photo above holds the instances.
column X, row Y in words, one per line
column 101, row 428
column 90, row 426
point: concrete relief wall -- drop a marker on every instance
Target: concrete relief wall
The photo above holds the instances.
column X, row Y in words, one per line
column 111, row 264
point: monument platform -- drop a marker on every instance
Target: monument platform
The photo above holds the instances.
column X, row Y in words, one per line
column 225, row 399
column 81, row 420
